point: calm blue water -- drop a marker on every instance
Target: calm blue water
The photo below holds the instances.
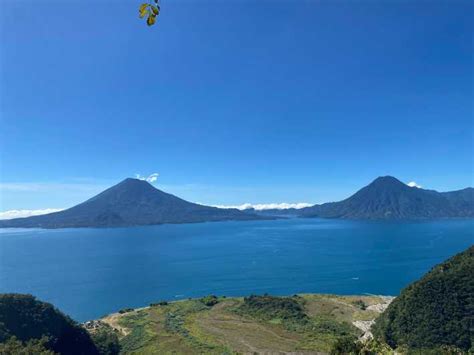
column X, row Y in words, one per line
column 88, row 273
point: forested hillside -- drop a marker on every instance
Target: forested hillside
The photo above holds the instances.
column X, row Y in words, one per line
column 434, row 311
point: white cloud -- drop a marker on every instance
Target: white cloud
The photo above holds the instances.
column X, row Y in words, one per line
column 414, row 184
column 151, row 178
column 267, row 206
column 26, row 213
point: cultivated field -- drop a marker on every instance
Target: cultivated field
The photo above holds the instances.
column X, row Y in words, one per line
column 301, row 324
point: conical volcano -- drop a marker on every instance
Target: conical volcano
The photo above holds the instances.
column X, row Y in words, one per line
column 131, row 202
column 389, row 198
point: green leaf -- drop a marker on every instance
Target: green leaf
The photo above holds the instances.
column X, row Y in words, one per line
column 155, row 9
column 143, row 10
column 151, row 20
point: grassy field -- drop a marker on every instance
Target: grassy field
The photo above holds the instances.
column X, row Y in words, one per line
column 304, row 324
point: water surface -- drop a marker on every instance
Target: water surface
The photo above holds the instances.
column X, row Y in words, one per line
column 88, row 273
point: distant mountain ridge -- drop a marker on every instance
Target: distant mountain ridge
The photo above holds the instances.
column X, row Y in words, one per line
column 131, row 202
column 389, row 198
column 136, row 202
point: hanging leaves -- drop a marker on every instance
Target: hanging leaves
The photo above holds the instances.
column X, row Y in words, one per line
column 152, row 11
column 143, row 10
column 155, row 9
column 151, row 20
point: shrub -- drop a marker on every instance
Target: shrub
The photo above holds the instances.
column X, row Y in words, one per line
column 161, row 303
column 125, row 310
column 270, row 307
column 360, row 304
column 346, row 346
column 210, row 300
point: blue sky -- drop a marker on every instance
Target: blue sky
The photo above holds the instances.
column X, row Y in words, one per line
column 233, row 101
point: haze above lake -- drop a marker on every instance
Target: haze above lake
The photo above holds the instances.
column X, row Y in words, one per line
column 88, row 273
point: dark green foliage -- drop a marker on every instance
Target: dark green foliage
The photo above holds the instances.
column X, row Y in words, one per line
column 360, row 304
column 326, row 325
column 125, row 310
column 375, row 347
column 346, row 345
column 106, row 341
column 443, row 350
column 161, row 303
column 13, row 346
column 210, row 300
column 434, row 311
column 269, row 307
column 26, row 318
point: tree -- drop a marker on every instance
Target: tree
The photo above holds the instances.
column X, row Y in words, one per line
column 106, row 341
column 345, row 345
column 13, row 346
column 26, row 318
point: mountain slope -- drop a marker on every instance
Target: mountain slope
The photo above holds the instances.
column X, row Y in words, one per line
column 131, row 202
column 26, row 318
column 434, row 311
column 388, row 198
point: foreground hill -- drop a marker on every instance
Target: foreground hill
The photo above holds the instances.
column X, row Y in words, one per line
column 389, row 198
column 131, row 202
column 309, row 324
column 434, row 311
column 303, row 324
column 27, row 319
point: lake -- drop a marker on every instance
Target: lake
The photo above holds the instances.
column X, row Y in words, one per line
column 88, row 273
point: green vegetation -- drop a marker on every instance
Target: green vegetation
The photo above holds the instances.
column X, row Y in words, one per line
column 360, row 304
column 106, row 340
column 29, row 327
column 161, row 303
column 345, row 346
column 126, row 310
column 27, row 319
column 210, row 300
column 274, row 309
column 165, row 329
column 13, row 346
column 317, row 332
column 287, row 311
column 435, row 311
column 139, row 337
column 262, row 324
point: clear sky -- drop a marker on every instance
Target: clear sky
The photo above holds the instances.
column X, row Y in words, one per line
column 233, row 101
